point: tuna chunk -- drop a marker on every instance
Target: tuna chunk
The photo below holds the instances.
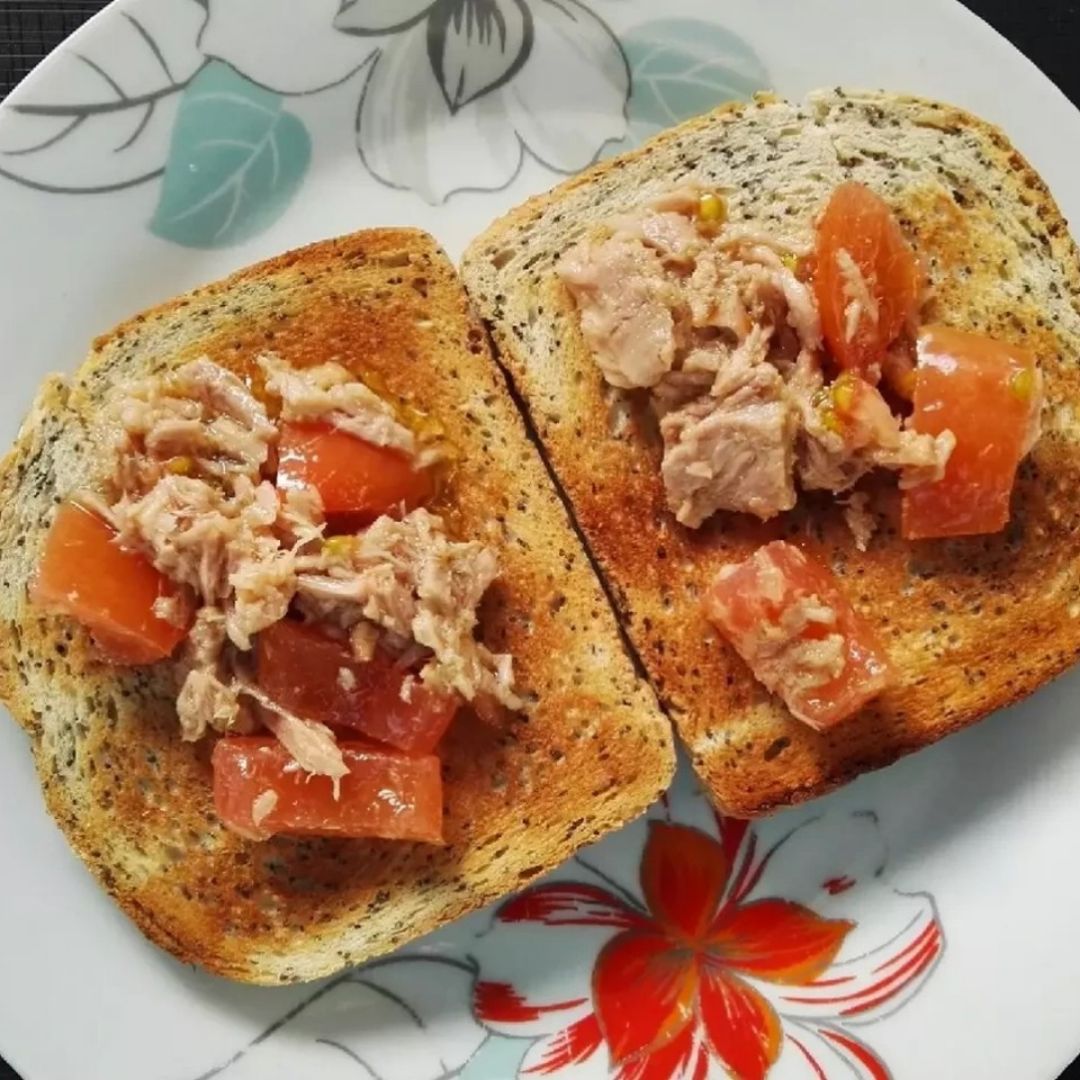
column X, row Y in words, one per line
column 673, row 235
column 732, row 449
column 625, row 303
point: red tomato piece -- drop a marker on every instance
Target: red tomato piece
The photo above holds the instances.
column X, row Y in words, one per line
column 988, row 394
column 259, row 791
column 786, row 617
column 858, row 225
column 111, row 590
column 357, row 480
column 316, row 677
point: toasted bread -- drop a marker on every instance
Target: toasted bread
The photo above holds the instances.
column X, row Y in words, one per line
column 972, row 624
column 591, row 750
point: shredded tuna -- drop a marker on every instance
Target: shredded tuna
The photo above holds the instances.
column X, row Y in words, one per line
column 199, row 420
column 410, row 579
column 682, row 200
column 301, row 519
column 263, row 807
column 175, row 610
column 92, row 501
column 328, row 393
column 184, row 524
column 678, row 389
column 861, row 302
column 834, row 458
column 224, row 547
column 363, row 640
column 671, row 234
column 206, row 703
column 714, row 297
column 208, row 699
column 862, row 523
column 310, row 744
column 738, row 237
column 789, row 659
column 802, row 313
column 921, row 458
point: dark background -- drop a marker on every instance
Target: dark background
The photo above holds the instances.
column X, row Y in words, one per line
column 1048, row 31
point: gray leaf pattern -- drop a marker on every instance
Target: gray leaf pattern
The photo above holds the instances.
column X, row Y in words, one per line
column 112, row 132
column 370, row 17
column 476, row 46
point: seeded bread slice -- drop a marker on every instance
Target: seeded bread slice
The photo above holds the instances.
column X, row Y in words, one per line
column 591, row 751
column 972, row 625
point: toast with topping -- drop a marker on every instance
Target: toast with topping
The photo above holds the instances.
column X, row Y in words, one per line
column 573, row 748
column 603, row 301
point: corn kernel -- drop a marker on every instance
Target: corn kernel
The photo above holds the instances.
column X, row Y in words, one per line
column 843, row 394
column 338, row 547
column 1022, row 384
column 180, row 466
column 791, row 262
column 712, row 209
column 830, row 421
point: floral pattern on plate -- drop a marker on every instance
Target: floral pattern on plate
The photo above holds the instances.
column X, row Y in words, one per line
column 689, row 946
column 450, row 96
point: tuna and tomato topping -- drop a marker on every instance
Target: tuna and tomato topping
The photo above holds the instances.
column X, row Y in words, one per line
column 762, row 352
column 208, row 543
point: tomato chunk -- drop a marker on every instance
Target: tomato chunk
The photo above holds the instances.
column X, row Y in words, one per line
column 85, row 574
column 357, row 480
column 259, row 791
column 988, row 394
column 786, row 616
column 316, row 677
column 860, row 246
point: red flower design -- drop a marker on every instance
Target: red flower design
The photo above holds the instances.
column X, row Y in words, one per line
column 701, row 972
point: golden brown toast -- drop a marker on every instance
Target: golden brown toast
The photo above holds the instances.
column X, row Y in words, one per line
column 591, row 750
column 972, row 624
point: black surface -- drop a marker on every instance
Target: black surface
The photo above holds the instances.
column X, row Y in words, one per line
column 1048, row 31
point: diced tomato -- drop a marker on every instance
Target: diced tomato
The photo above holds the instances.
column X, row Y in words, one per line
column 316, row 677
column 85, row 574
column 357, row 480
column 859, row 223
column 260, row 791
column 782, row 611
column 988, row 394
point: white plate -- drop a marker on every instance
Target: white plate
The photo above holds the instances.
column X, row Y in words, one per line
column 171, row 141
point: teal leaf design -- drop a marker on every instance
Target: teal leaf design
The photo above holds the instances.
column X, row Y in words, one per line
column 683, row 67
column 497, row 1058
column 236, row 160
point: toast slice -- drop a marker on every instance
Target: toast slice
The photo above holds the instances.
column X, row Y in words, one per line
column 591, row 750
column 971, row 625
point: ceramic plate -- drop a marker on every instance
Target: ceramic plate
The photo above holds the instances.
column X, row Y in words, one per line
column 919, row 924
